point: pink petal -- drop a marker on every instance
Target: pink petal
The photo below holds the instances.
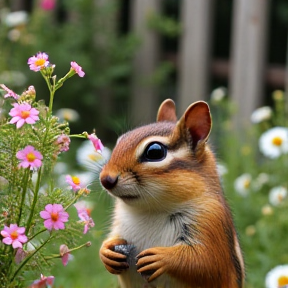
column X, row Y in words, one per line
column 48, row 224
column 24, row 164
column 59, row 225
column 38, row 155
column 7, row 241
column 29, row 149
column 15, row 119
column 5, row 233
column 16, row 244
column 20, row 123
column 57, row 208
column 37, row 163
column 34, row 111
column 22, row 238
column 65, row 259
column 49, row 208
column 45, row 215
column 50, row 280
column 29, row 120
column 21, row 155
column 86, row 227
column 13, row 227
column 21, row 230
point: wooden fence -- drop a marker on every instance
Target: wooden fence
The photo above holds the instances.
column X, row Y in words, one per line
column 246, row 69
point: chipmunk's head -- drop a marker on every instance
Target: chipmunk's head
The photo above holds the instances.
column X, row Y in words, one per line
column 158, row 165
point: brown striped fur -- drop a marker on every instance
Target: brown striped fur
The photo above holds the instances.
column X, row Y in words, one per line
column 182, row 197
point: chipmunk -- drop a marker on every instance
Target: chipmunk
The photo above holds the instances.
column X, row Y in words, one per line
column 172, row 227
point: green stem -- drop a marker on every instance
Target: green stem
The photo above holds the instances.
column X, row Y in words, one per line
column 35, row 198
column 52, row 92
column 53, row 256
column 39, row 232
column 25, row 184
column 30, row 256
column 77, row 136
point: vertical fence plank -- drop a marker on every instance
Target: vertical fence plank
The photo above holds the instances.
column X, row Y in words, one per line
column 248, row 57
column 144, row 101
column 196, row 17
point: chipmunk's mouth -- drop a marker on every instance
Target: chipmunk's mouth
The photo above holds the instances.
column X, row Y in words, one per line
column 128, row 197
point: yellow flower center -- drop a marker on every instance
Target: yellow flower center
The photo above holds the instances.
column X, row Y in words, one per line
column 282, row 280
column 246, row 184
column 277, row 141
column 280, row 198
column 76, row 180
column 30, row 157
column 95, row 157
column 54, row 216
column 25, row 114
column 40, row 62
column 14, row 235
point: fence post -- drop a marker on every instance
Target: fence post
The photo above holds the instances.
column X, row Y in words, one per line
column 248, row 57
column 195, row 44
column 143, row 100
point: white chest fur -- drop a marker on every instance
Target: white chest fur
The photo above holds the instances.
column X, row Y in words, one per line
column 142, row 231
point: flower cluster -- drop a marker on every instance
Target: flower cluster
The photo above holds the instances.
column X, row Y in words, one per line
column 33, row 138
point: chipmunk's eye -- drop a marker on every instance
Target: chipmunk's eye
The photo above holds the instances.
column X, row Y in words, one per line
column 154, row 152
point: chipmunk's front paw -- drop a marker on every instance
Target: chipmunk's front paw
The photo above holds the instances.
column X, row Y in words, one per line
column 114, row 262
column 152, row 262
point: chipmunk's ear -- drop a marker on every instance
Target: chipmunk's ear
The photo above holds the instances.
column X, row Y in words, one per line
column 167, row 111
column 197, row 119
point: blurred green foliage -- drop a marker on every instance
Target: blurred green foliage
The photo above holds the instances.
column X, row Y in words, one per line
column 81, row 31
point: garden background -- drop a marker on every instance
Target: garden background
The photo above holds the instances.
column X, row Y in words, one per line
column 134, row 54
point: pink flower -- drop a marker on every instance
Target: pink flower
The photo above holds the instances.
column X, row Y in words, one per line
column 96, row 142
column 20, row 255
column 30, row 91
column 10, row 93
column 29, row 157
column 38, row 62
column 84, row 213
column 23, row 113
column 14, row 235
column 47, row 4
column 77, row 69
column 65, row 254
column 63, row 141
column 74, row 181
column 43, row 282
column 55, row 216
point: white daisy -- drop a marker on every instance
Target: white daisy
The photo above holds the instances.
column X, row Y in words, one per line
column 88, row 157
column 261, row 114
column 274, row 142
column 277, row 277
column 222, row 169
column 67, row 114
column 243, row 184
column 267, row 210
column 261, row 180
column 16, row 18
column 277, row 195
column 218, row 94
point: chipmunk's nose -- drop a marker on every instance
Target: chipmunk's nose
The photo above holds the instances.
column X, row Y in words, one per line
column 108, row 181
